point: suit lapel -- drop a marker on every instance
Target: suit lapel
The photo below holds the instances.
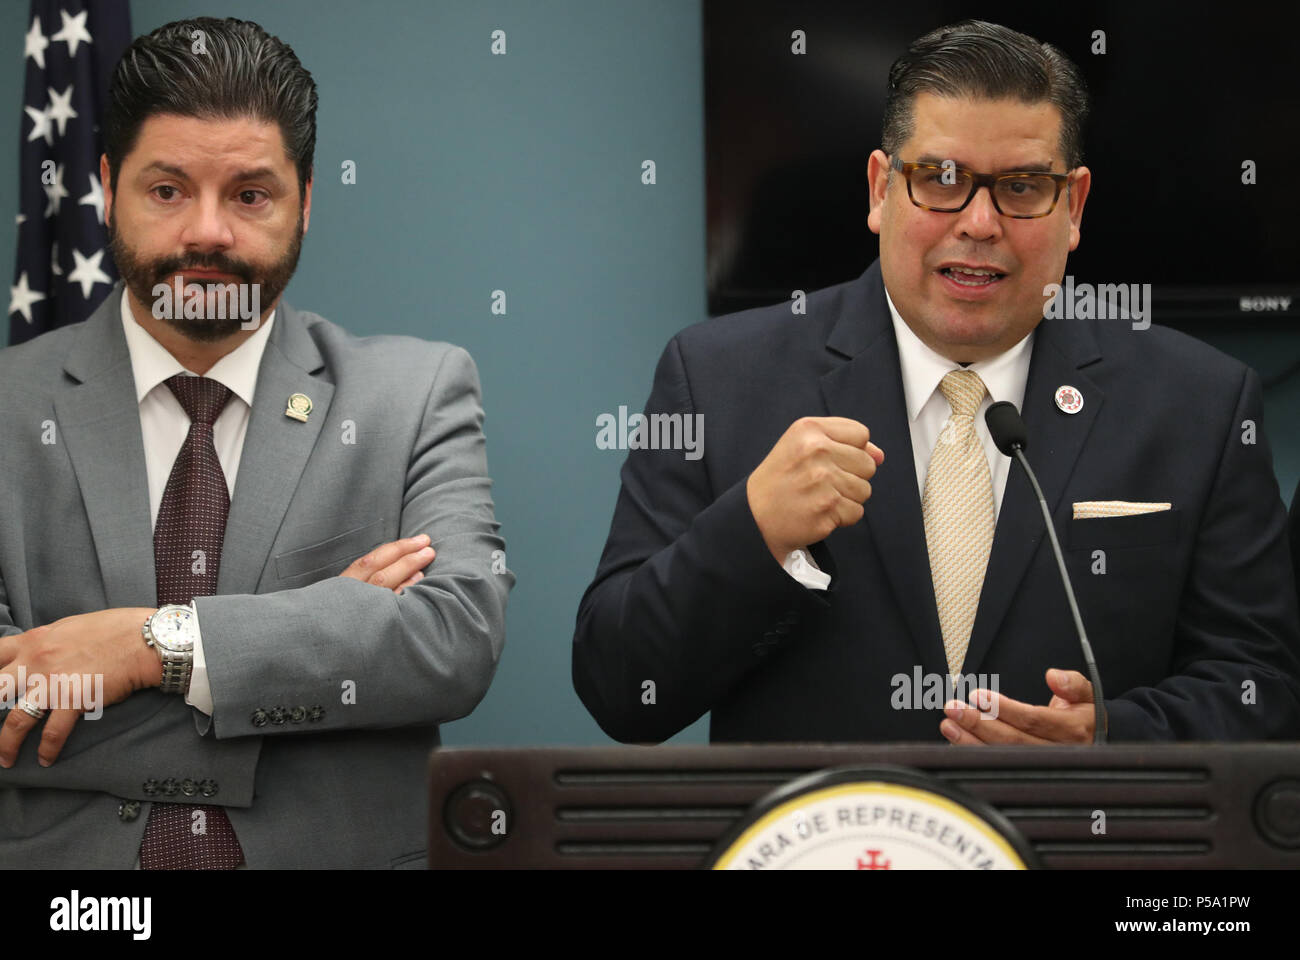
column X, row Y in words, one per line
column 1061, row 349
column 275, row 452
column 99, row 419
column 869, row 388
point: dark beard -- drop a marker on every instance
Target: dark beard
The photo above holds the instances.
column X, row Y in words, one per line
column 141, row 276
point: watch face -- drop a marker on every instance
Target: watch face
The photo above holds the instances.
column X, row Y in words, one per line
column 173, row 629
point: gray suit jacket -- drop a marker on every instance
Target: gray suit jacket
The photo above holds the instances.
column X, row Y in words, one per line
column 393, row 447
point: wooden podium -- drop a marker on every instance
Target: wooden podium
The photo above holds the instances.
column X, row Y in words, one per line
column 1164, row 806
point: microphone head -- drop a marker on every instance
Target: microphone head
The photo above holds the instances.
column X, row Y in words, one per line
column 1006, row 428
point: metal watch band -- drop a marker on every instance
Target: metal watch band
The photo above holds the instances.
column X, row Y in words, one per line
column 176, row 675
column 177, row 668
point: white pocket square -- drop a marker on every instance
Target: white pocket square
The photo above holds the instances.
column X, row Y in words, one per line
column 1093, row 509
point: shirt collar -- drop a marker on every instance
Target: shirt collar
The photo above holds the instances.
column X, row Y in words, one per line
column 152, row 363
column 1004, row 375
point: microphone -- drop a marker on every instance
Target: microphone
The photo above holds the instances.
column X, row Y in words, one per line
column 1010, row 436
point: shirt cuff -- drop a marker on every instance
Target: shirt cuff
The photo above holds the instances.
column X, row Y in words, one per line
column 803, row 568
column 200, row 693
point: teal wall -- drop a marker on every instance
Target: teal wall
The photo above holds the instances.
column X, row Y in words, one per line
column 521, row 173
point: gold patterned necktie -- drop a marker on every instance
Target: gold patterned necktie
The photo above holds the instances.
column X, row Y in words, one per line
column 958, row 510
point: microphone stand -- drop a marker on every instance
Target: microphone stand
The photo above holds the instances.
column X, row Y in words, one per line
column 1100, row 724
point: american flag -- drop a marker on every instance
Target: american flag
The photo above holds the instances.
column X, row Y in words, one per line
column 63, row 267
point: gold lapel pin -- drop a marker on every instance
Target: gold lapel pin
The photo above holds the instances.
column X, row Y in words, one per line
column 299, row 407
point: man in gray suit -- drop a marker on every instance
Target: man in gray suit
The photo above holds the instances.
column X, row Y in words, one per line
column 265, row 466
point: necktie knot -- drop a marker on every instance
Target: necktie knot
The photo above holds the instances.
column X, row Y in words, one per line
column 964, row 391
column 202, row 398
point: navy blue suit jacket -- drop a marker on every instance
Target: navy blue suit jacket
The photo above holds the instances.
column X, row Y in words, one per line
column 1194, row 621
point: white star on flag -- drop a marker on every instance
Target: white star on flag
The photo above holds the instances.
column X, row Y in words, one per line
column 21, row 298
column 95, row 198
column 60, row 143
column 73, row 32
column 60, row 108
column 40, row 126
column 87, row 272
column 55, row 191
column 36, row 44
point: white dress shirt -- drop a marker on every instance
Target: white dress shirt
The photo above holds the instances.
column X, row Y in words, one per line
column 928, row 411
column 164, row 426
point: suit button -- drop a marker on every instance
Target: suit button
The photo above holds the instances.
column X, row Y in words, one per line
column 298, row 714
column 782, row 629
column 316, row 712
column 259, row 717
column 128, row 810
column 277, row 715
column 208, row 787
column 760, row 649
column 150, row 787
column 189, row 787
column 169, row 787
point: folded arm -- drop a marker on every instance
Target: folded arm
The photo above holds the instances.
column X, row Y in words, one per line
column 341, row 653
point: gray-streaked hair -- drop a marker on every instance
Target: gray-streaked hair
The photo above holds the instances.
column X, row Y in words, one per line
column 243, row 72
column 985, row 60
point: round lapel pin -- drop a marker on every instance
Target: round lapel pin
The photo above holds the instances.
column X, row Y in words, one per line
column 299, row 407
column 1068, row 399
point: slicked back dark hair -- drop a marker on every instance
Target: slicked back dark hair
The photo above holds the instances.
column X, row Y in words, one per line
column 986, row 61
column 245, row 72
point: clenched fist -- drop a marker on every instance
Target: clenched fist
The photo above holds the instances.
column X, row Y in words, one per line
column 814, row 480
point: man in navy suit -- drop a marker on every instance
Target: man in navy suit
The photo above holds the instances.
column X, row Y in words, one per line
column 801, row 587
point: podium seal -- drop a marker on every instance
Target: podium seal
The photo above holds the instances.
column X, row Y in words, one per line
column 872, row 818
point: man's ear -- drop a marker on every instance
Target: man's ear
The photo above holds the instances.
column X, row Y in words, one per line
column 878, row 171
column 105, row 180
column 306, row 206
column 1077, row 196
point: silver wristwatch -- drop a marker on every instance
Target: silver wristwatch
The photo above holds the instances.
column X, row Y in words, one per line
column 171, row 631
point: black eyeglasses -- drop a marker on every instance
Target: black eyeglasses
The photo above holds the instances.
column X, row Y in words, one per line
column 948, row 189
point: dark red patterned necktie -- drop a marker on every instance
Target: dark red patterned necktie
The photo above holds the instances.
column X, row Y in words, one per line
column 187, row 541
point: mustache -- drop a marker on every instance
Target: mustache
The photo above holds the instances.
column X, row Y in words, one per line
column 215, row 261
